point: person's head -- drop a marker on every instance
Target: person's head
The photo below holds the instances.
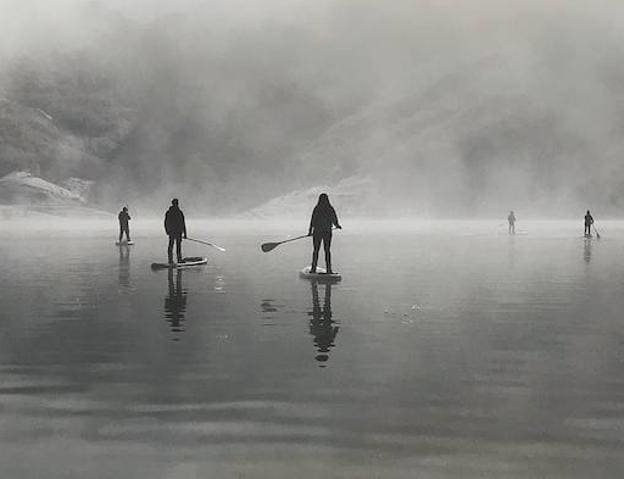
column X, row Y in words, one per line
column 125, row 209
column 511, row 212
column 588, row 212
column 174, row 202
column 323, row 200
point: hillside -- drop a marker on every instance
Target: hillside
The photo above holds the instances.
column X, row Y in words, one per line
column 25, row 195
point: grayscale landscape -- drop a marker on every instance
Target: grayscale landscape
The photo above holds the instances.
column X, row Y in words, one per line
column 444, row 346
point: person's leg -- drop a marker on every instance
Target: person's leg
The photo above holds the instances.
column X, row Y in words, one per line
column 179, row 247
column 120, row 233
column 327, row 237
column 128, row 233
column 316, row 244
column 170, row 248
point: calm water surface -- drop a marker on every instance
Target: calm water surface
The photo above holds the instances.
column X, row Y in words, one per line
column 447, row 351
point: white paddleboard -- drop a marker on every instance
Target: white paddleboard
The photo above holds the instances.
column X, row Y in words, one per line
column 320, row 275
column 124, row 243
column 188, row 263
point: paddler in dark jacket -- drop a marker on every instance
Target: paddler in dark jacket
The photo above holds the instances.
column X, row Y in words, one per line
column 175, row 227
column 323, row 219
column 124, row 227
column 589, row 221
column 511, row 219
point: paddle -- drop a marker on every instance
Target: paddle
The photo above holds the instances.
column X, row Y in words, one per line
column 597, row 234
column 206, row 243
column 266, row 247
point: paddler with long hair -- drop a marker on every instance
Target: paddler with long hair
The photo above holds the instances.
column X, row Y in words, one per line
column 323, row 219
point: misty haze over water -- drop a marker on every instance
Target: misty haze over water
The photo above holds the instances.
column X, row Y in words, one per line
column 440, row 108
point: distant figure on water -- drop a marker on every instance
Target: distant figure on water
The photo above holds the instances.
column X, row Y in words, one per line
column 323, row 219
column 589, row 221
column 512, row 223
column 175, row 226
column 124, row 227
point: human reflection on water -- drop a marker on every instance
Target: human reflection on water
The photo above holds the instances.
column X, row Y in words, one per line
column 124, row 267
column 175, row 303
column 322, row 326
column 587, row 251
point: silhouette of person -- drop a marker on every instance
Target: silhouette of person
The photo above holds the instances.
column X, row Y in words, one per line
column 175, row 227
column 322, row 326
column 512, row 223
column 175, row 302
column 323, row 218
column 589, row 221
column 124, row 227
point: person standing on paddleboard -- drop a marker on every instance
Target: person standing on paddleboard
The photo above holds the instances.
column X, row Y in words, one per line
column 323, row 219
column 589, row 221
column 124, row 227
column 175, row 227
column 512, row 223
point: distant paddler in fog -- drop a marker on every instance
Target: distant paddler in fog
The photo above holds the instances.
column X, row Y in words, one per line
column 124, row 227
column 512, row 223
column 175, row 226
column 589, row 221
column 323, row 219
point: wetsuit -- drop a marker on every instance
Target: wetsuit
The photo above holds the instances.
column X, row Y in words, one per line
column 124, row 217
column 589, row 221
column 175, row 226
column 321, row 223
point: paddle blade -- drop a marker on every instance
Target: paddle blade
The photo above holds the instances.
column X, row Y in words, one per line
column 266, row 247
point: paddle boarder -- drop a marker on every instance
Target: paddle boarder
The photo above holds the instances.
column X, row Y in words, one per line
column 512, row 223
column 589, row 221
column 124, row 227
column 323, row 219
column 175, row 226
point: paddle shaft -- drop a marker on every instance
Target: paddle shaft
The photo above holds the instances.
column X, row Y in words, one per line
column 206, row 243
column 293, row 239
column 597, row 234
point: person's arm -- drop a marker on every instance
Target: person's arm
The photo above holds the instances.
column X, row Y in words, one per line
column 166, row 221
column 183, row 225
column 312, row 218
column 335, row 219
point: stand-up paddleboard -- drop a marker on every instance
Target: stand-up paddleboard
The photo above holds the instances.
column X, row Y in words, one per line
column 188, row 263
column 320, row 275
column 124, row 243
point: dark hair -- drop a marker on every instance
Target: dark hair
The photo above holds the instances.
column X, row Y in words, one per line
column 174, row 201
column 323, row 200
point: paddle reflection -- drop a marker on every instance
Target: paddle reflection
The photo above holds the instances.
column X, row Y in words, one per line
column 322, row 327
column 175, row 303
